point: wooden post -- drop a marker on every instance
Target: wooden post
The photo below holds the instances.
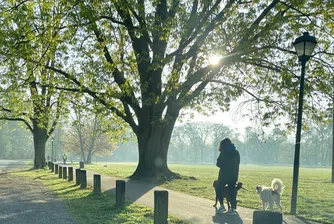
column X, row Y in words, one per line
column 56, row 168
column 82, row 165
column 120, row 193
column 83, row 179
column 160, row 207
column 65, row 172
column 265, row 217
column 49, row 165
column 52, row 167
column 77, row 176
column 97, row 183
column 60, row 172
column 70, row 173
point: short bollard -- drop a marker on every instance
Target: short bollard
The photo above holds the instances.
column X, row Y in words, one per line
column 77, row 176
column 120, row 193
column 49, row 165
column 82, row 165
column 56, row 168
column 97, row 183
column 83, row 179
column 265, row 217
column 70, row 173
column 65, row 172
column 160, row 207
column 52, row 167
column 60, row 172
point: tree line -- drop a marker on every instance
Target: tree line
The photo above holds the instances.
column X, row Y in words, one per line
column 191, row 143
column 197, row 143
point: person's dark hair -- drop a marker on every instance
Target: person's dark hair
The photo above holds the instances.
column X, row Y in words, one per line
column 224, row 144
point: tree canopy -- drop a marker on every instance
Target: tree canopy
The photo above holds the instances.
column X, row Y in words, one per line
column 146, row 61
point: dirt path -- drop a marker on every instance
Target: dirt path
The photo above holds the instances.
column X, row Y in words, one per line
column 25, row 201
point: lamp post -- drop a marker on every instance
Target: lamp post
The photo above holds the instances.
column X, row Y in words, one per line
column 304, row 46
column 52, row 149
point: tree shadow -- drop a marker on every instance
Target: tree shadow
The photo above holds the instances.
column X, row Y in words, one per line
column 9, row 170
column 135, row 189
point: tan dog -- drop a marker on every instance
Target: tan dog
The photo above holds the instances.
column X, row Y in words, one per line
column 271, row 195
column 226, row 193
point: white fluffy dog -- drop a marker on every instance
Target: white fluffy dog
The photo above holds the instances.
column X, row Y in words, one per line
column 271, row 195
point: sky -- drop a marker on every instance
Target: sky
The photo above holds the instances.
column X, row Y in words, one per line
column 232, row 118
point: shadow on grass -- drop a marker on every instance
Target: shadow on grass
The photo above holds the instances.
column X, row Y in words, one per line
column 90, row 207
column 9, row 170
column 99, row 207
column 135, row 189
column 83, row 204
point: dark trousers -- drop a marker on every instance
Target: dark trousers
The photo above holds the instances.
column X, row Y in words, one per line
column 232, row 190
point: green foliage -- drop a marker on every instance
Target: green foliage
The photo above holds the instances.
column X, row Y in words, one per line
column 150, row 53
column 29, row 43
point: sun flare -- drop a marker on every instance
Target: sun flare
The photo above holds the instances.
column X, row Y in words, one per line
column 214, row 59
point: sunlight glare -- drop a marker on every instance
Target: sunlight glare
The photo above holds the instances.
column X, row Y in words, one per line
column 214, row 59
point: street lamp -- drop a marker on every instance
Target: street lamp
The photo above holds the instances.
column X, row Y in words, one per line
column 52, row 149
column 304, row 46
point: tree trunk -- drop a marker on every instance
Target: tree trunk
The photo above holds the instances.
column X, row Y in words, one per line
column 89, row 158
column 153, row 148
column 40, row 138
column 81, row 146
column 92, row 142
column 91, row 148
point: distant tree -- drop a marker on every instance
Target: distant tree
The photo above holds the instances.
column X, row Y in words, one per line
column 316, row 148
column 275, row 142
column 126, row 151
column 87, row 137
column 198, row 142
column 218, row 132
column 180, row 146
column 16, row 141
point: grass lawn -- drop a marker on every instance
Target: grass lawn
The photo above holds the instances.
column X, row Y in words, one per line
column 315, row 191
column 91, row 208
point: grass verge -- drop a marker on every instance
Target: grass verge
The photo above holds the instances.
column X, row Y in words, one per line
column 315, row 191
column 91, row 208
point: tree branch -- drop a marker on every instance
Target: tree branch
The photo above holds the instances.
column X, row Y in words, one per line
column 128, row 119
column 18, row 119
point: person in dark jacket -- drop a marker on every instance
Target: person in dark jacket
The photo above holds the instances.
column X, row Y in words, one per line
column 228, row 161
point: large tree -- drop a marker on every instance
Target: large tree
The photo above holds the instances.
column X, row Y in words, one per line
column 28, row 35
column 147, row 60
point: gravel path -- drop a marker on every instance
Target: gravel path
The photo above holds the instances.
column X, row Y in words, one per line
column 24, row 201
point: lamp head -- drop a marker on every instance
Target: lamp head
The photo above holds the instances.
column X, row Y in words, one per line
column 304, row 46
